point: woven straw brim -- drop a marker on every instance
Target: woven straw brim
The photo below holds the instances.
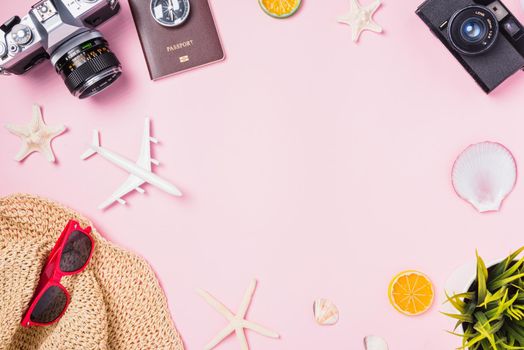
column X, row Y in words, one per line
column 116, row 303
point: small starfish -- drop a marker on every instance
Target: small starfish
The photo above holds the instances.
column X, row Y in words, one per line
column 237, row 323
column 360, row 18
column 36, row 136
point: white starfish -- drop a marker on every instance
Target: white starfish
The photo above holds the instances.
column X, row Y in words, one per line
column 360, row 18
column 36, row 136
column 237, row 323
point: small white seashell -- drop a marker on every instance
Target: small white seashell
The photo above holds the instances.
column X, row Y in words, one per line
column 484, row 174
column 326, row 313
column 373, row 342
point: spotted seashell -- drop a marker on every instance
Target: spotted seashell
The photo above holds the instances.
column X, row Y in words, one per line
column 326, row 313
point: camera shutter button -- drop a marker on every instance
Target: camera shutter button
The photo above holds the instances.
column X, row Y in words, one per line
column 21, row 34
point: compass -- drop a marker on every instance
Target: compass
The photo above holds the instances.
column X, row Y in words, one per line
column 170, row 13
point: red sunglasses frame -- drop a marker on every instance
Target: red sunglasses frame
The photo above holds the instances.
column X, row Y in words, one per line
column 52, row 274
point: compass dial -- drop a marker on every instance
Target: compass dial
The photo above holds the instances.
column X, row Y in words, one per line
column 170, row 13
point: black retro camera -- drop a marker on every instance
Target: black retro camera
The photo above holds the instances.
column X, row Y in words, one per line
column 484, row 37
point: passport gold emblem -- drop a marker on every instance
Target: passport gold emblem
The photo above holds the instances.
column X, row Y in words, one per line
column 183, row 58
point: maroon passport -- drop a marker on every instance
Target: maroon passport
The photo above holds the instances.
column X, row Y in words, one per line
column 170, row 50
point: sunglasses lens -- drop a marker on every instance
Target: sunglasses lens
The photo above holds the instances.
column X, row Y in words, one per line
column 76, row 252
column 50, row 305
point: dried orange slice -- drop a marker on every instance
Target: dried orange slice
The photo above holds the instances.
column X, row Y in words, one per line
column 411, row 293
column 280, row 8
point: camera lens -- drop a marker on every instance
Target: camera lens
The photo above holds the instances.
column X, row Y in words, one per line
column 473, row 30
column 86, row 64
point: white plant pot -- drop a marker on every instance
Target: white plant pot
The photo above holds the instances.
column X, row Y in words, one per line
column 459, row 282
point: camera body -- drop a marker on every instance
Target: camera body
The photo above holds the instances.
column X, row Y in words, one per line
column 484, row 36
column 64, row 32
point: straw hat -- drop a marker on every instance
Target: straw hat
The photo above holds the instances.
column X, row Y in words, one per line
column 116, row 303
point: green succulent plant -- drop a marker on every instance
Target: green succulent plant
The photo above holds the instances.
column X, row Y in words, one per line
column 491, row 312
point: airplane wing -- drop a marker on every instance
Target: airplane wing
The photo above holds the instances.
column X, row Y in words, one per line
column 132, row 183
column 144, row 159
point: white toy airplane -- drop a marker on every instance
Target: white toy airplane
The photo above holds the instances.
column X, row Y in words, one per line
column 140, row 171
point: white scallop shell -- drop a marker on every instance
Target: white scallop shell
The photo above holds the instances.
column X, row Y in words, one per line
column 484, row 174
column 326, row 313
column 373, row 342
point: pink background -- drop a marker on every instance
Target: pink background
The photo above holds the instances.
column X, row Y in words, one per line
column 318, row 166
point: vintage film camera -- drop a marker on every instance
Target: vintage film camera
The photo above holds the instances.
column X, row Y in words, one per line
column 63, row 31
column 484, row 37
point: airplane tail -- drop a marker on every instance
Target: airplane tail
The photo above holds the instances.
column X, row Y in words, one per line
column 94, row 144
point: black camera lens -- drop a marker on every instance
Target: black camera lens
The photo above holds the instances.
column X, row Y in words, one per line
column 87, row 66
column 473, row 30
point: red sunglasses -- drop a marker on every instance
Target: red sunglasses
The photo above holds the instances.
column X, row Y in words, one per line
column 70, row 255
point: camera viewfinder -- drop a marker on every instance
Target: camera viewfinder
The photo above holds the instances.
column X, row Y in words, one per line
column 512, row 28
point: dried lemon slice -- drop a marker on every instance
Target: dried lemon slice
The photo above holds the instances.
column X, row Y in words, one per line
column 280, row 8
column 411, row 293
